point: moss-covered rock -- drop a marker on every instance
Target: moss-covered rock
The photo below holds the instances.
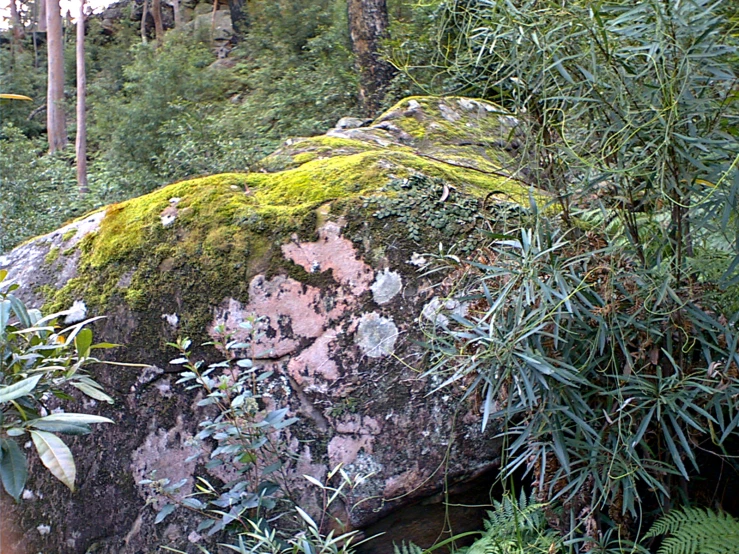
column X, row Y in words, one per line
column 323, row 247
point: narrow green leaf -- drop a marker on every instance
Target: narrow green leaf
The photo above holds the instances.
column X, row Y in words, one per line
column 306, row 517
column 164, row 512
column 92, row 392
column 19, row 389
column 75, row 418
column 103, row 345
column 56, row 456
column 4, row 315
column 13, row 468
column 20, row 311
column 60, row 427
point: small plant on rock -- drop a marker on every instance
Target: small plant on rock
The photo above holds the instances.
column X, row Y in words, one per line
column 243, row 439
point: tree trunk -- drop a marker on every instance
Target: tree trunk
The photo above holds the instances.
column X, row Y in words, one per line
column 55, row 127
column 81, row 144
column 177, row 14
column 368, row 25
column 213, row 21
column 239, row 18
column 144, row 13
column 156, row 11
column 41, row 16
column 18, row 31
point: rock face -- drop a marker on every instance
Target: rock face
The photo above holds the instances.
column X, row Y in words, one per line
column 326, row 249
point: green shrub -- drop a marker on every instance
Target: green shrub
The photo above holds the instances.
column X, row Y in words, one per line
column 248, row 443
column 38, row 361
column 604, row 378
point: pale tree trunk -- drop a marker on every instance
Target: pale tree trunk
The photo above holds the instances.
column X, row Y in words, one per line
column 177, row 14
column 213, row 21
column 143, row 21
column 156, row 11
column 368, row 25
column 81, row 144
column 55, row 126
column 18, row 31
column 41, row 16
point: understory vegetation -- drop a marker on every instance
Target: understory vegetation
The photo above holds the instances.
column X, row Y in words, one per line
column 598, row 334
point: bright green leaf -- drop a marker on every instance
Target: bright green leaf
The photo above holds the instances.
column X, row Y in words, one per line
column 19, row 389
column 82, row 342
column 92, row 392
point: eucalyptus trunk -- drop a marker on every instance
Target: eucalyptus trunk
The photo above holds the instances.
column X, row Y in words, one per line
column 177, row 14
column 239, row 17
column 368, row 26
column 81, row 143
column 55, row 125
column 156, row 12
column 144, row 12
column 41, row 22
column 18, row 31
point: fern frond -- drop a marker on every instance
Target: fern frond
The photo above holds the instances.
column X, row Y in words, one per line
column 409, row 548
column 697, row 531
column 516, row 527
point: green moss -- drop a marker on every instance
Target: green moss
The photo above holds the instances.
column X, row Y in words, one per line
column 69, row 234
column 303, row 150
column 461, row 121
column 304, row 157
column 52, row 256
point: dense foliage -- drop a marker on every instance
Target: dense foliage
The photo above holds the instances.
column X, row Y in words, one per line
column 161, row 114
column 604, row 345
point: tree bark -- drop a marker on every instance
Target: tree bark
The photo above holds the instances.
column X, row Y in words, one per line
column 18, row 31
column 55, row 126
column 239, row 18
column 144, row 13
column 41, row 16
column 213, row 21
column 368, row 25
column 177, row 14
column 156, row 11
column 81, row 143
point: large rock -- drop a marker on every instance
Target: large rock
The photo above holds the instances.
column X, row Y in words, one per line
column 328, row 253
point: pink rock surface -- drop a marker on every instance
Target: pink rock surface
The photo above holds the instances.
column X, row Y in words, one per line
column 333, row 252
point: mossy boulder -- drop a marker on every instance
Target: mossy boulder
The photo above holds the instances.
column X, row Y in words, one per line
column 325, row 244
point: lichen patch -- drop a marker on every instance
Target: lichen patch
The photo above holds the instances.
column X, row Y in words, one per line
column 334, row 252
column 164, row 454
column 313, row 368
column 290, row 310
column 386, row 286
column 376, row 335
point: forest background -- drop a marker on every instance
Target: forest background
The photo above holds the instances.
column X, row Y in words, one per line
column 184, row 104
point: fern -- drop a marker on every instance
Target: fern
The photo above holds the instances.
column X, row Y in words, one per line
column 516, row 528
column 696, row 531
column 410, row 548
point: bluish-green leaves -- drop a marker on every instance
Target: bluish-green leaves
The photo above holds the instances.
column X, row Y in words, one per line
column 13, row 468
